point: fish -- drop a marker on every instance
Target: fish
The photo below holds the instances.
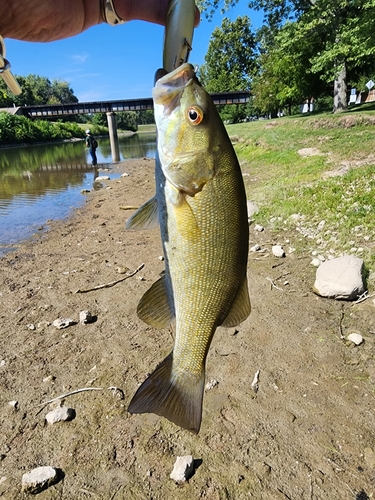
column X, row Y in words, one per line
column 201, row 207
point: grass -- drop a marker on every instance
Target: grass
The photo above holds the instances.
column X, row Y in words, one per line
column 308, row 169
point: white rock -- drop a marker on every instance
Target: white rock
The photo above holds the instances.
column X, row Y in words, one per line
column 124, row 175
column 316, row 262
column 39, row 479
column 295, row 217
column 255, row 248
column 211, row 384
column 321, row 225
column 356, row 338
column 60, row 414
column 85, row 317
column 258, row 228
column 63, row 323
column 183, row 469
column 278, row 251
column 102, row 178
column 340, row 278
column 252, row 208
column 13, row 404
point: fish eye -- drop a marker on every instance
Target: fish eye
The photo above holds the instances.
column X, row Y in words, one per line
column 195, row 115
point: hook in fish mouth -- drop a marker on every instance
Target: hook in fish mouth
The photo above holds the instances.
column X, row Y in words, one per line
column 169, row 87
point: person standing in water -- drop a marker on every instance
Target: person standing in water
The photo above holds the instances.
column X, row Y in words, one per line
column 91, row 145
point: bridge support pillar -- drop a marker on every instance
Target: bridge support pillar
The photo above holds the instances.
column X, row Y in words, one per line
column 113, row 137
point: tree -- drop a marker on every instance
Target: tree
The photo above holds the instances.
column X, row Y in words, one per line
column 341, row 32
column 285, row 77
column 230, row 62
column 37, row 90
column 230, row 58
column 344, row 28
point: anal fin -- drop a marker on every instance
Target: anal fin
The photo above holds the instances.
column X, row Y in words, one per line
column 241, row 307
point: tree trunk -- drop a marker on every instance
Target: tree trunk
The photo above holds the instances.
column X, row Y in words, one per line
column 340, row 99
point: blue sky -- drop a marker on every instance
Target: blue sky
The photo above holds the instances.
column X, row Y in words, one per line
column 108, row 63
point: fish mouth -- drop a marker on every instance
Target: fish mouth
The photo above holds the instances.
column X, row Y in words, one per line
column 169, row 88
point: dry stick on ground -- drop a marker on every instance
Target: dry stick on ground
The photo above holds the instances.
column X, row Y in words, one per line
column 363, row 297
column 112, row 283
column 342, row 336
column 273, row 285
column 128, row 207
column 77, row 391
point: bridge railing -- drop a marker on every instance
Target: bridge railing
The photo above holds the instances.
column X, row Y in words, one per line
column 41, row 111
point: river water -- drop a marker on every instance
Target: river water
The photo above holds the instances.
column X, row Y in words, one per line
column 41, row 183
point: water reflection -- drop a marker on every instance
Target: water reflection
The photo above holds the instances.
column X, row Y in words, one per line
column 38, row 183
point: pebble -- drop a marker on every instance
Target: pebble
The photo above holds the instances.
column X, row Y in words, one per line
column 125, row 174
column 356, row 338
column 211, row 384
column 102, row 178
column 60, row 414
column 61, row 323
column 316, row 262
column 183, row 469
column 39, row 479
column 85, row 317
column 252, row 208
column 278, row 251
column 258, row 228
column 255, row 248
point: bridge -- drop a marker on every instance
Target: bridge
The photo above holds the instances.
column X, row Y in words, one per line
column 55, row 110
column 113, row 107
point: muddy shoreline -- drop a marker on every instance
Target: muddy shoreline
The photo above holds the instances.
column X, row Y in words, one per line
column 307, row 433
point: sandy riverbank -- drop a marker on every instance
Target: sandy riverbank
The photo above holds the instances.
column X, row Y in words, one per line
column 308, row 433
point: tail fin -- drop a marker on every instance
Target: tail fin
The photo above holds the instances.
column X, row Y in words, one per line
column 176, row 396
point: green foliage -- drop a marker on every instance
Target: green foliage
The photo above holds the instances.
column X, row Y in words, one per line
column 231, row 55
column 37, row 90
column 127, row 120
column 310, row 46
column 20, row 129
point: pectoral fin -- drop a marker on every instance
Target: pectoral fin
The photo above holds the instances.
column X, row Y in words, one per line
column 154, row 307
column 146, row 217
column 241, row 307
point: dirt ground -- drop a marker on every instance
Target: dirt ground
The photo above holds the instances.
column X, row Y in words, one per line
column 307, row 433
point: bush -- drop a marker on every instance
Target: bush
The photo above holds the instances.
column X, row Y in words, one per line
column 20, row 129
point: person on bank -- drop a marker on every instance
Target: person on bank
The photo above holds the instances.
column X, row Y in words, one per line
column 91, row 145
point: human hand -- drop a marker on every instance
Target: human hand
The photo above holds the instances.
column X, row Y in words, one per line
column 48, row 20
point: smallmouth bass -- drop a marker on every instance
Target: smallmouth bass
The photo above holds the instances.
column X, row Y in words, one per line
column 200, row 205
